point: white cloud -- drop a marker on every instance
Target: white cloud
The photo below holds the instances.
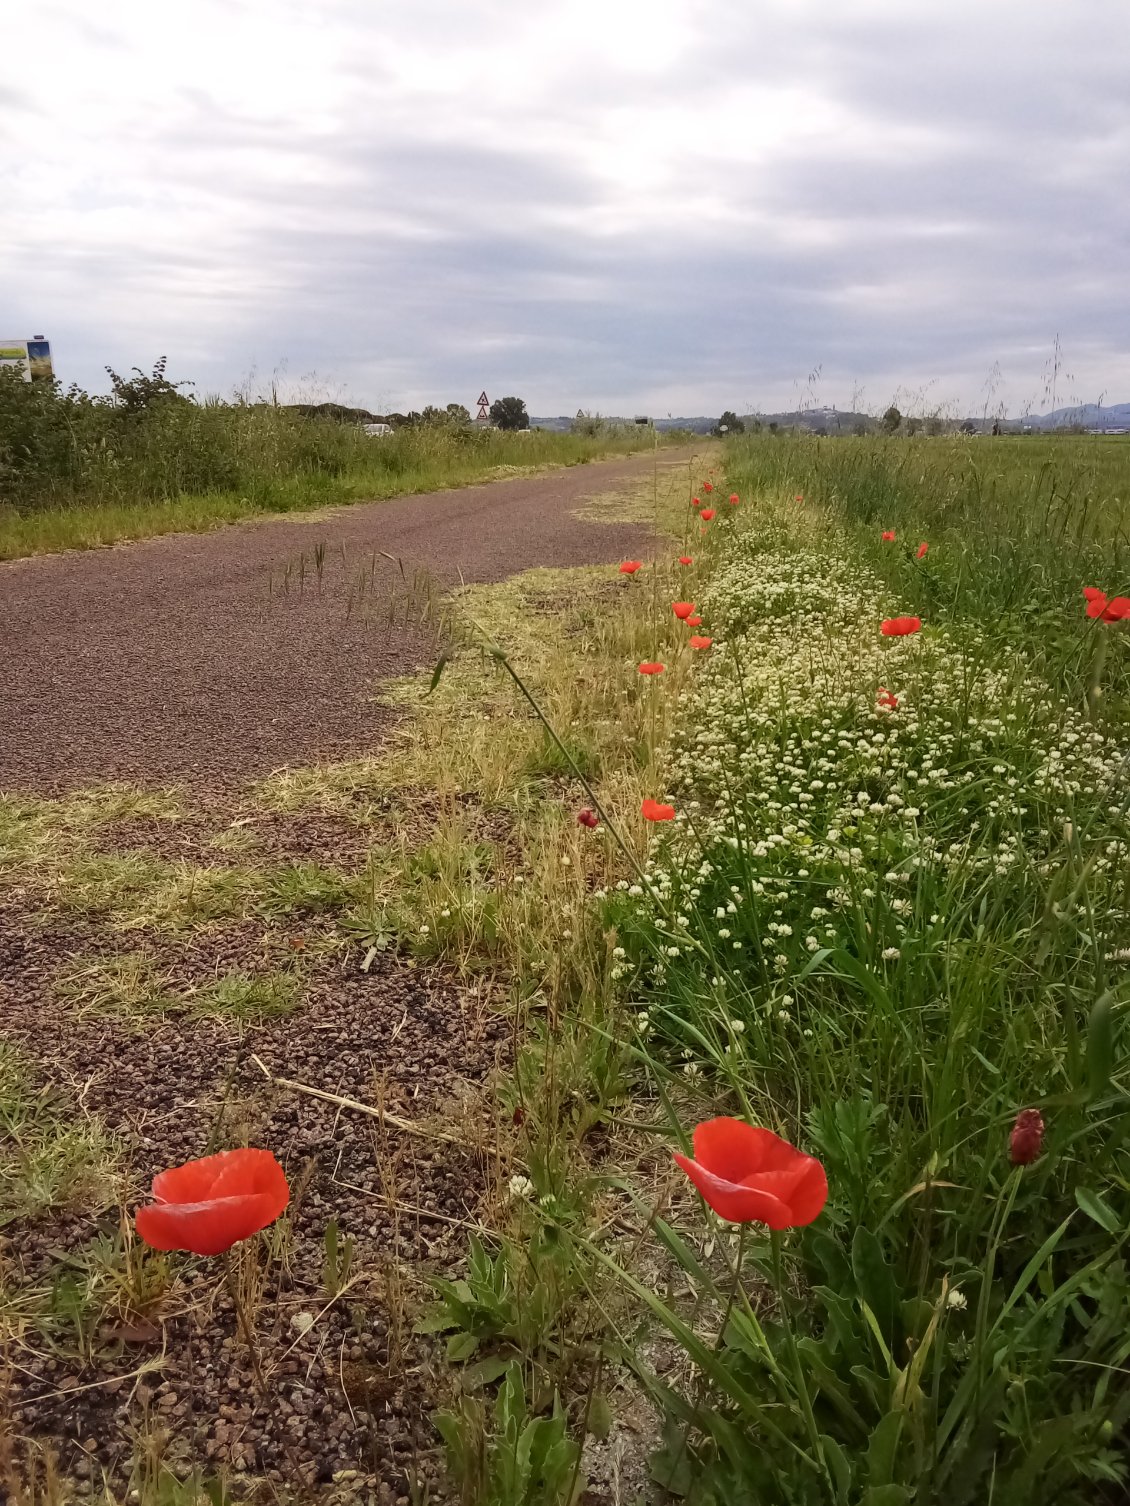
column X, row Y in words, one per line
column 682, row 204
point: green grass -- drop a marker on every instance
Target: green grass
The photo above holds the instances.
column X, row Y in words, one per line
column 127, row 985
column 50, row 1160
column 265, row 463
column 250, row 998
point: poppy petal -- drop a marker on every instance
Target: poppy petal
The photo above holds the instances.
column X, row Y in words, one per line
column 734, row 1150
column 731, row 1201
column 208, row 1228
column 803, row 1188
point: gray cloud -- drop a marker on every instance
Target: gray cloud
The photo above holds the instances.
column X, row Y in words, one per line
column 903, row 198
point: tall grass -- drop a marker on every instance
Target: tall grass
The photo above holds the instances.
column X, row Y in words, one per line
column 1025, row 517
column 1016, row 526
column 77, row 472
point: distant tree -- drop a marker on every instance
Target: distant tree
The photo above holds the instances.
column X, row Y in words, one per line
column 730, row 423
column 859, row 428
column 934, row 425
column 774, row 426
column 458, row 414
column 969, row 427
column 913, row 425
column 509, row 413
column 891, row 420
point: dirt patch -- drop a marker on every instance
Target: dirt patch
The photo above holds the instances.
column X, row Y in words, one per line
column 353, row 1390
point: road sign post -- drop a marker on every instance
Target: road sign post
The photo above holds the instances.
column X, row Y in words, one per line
column 483, row 416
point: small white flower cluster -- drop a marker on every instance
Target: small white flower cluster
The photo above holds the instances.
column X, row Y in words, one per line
column 840, row 808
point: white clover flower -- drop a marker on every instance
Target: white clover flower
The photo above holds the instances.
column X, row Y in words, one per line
column 956, row 1300
column 891, row 954
column 520, row 1187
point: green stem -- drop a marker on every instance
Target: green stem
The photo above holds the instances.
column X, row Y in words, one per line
column 794, row 1358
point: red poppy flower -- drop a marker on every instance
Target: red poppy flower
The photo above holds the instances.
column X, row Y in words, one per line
column 695, row 621
column 898, row 627
column 696, row 641
column 734, row 499
column 629, row 567
column 685, row 559
column 696, row 501
column 888, row 535
column 706, row 514
column 921, row 553
column 651, row 668
column 588, row 818
column 1114, row 610
column 708, row 486
column 750, row 1175
column 799, row 497
column 1027, row 1138
column 207, row 1206
column 886, row 701
column 655, row 810
column 682, row 609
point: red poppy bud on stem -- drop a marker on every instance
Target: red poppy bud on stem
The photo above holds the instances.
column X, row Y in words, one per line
column 1027, row 1138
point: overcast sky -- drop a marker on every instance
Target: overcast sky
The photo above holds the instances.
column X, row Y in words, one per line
column 673, row 206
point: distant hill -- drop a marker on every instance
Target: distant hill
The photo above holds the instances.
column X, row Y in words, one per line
column 563, row 422
column 1090, row 415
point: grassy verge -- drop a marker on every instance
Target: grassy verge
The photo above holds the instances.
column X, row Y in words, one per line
column 890, row 915
column 141, row 498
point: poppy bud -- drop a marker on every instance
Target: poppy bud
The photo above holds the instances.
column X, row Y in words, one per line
column 1027, row 1138
column 588, row 818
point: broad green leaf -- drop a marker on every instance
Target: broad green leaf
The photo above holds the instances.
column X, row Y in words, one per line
column 1095, row 1207
column 600, row 1416
column 486, row 1371
column 1100, row 1048
column 461, row 1346
column 876, row 1284
column 883, row 1449
column 838, row 1466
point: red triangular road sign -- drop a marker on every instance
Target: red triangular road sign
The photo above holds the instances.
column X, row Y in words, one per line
column 484, row 401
